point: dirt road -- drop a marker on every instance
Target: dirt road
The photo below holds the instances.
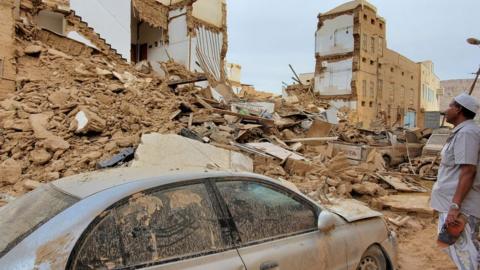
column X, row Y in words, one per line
column 418, row 250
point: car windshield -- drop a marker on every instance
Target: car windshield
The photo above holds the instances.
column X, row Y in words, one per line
column 22, row 216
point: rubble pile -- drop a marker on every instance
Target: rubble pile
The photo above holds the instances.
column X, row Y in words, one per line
column 70, row 112
column 77, row 113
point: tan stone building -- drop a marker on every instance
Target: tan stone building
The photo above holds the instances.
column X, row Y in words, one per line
column 7, row 48
column 430, row 90
column 354, row 68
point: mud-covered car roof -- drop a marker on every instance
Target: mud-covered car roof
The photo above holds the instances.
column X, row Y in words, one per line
column 84, row 185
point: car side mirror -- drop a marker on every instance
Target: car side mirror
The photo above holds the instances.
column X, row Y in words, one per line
column 326, row 221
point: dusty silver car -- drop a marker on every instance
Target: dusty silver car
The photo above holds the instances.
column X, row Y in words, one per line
column 145, row 219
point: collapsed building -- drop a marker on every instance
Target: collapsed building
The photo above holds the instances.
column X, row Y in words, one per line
column 355, row 69
column 192, row 34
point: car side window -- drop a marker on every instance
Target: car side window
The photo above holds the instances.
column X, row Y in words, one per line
column 153, row 227
column 101, row 249
column 261, row 212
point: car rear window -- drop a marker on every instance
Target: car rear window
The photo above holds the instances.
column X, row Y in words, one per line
column 438, row 139
column 22, row 216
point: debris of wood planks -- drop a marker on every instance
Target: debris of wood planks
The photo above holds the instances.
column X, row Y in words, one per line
column 312, row 140
column 263, row 121
column 399, row 221
column 276, row 151
column 249, row 149
column 203, row 102
column 400, row 184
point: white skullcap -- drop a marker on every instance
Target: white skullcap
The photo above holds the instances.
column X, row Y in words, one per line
column 468, row 102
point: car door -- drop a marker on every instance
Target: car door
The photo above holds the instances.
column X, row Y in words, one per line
column 277, row 229
column 173, row 227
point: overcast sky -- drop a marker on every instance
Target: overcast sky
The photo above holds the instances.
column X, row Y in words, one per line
column 267, row 35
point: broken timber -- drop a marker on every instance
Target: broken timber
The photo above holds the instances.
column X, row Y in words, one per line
column 263, row 121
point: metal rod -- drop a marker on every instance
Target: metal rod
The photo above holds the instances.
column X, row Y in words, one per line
column 474, row 82
column 295, row 73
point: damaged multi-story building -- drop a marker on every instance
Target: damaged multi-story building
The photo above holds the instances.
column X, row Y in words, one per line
column 355, row 69
column 192, row 33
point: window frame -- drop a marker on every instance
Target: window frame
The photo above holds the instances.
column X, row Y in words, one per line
column 228, row 241
column 276, row 187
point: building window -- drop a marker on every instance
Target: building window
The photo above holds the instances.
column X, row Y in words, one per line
column 380, row 45
column 370, row 104
column 402, row 95
column 372, row 89
column 381, row 25
column 372, row 62
column 380, row 89
column 403, row 73
column 379, row 66
column 372, row 21
column 364, row 60
column 392, row 92
column 364, row 88
column 411, row 77
column 392, row 70
column 372, row 44
column 365, row 42
column 365, row 17
column 363, row 103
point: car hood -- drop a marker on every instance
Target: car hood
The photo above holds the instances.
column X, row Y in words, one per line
column 351, row 210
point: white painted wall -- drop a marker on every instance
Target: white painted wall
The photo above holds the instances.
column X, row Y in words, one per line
column 80, row 38
column 338, row 104
column 335, row 36
column 336, row 79
column 110, row 18
column 209, row 11
column 234, row 72
column 179, row 45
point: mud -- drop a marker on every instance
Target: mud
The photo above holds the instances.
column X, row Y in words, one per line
column 53, row 255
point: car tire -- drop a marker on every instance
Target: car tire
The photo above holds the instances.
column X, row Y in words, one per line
column 373, row 259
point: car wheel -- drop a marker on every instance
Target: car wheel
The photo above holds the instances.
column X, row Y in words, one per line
column 373, row 259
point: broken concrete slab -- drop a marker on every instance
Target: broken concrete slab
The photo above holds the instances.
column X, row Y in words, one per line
column 400, row 184
column 407, row 203
column 276, row 151
column 173, row 152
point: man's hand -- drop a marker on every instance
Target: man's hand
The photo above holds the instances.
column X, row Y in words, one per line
column 452, row 218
